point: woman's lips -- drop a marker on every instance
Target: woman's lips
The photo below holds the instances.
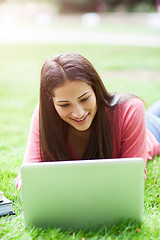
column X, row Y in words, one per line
column 80, row 119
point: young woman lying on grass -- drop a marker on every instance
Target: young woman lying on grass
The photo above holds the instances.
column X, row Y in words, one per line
column 77, row 118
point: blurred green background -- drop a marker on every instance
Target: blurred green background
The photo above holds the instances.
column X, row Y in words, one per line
column 120, row 38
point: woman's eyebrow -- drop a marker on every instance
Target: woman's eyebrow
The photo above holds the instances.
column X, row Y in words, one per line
column 83, row 94
column 65, row 101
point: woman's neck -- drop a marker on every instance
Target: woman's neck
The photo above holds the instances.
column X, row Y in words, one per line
column 78, row 140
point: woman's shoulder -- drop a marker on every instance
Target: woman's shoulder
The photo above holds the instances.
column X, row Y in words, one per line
column 37, row 107
column 128, row 107
column 134, row 101
column 35, row 116
column 125, row 101
column 36, row 111
column 132, row 111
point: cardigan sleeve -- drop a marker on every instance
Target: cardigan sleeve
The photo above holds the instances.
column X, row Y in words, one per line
column 133, row 130
column 32, row 153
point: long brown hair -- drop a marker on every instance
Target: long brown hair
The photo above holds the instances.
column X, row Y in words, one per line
column 52, row 129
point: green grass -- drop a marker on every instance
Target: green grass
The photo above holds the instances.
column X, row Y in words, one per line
column 19, row 90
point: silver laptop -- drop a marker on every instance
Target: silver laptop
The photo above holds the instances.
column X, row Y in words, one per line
column 85, row 194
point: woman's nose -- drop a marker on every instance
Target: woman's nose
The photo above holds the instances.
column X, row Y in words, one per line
column 78, row 111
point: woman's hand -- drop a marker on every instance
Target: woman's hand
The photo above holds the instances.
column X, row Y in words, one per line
column 19, row 185
column 19, row 182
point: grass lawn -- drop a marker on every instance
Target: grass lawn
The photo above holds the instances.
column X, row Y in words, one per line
column 122, row 69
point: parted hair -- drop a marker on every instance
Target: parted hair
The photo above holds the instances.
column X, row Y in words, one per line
column 52, row 129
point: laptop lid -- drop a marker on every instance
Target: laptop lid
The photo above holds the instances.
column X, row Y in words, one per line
column 83, row 194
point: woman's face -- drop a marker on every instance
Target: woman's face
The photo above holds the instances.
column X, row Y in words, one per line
column 76, row 104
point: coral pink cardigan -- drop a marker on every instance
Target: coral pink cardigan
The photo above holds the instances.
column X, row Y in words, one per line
column 128, row 129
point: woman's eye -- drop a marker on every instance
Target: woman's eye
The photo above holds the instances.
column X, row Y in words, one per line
column 85, row 99
column 64, row 105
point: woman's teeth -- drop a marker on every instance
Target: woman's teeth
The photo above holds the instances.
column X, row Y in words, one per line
column 79, row 120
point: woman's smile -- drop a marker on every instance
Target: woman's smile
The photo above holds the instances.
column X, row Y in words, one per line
column 76, row 104
column 81, row 119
